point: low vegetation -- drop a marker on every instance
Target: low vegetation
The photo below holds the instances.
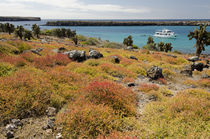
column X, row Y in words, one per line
column 92, row 98
column 182, row 116
column 161, row 46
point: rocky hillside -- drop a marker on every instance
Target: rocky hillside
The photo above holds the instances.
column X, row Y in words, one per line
column 50, row 88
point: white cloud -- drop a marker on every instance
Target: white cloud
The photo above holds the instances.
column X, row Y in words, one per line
column 60, row 3
column 111, row 8
column 74, row 6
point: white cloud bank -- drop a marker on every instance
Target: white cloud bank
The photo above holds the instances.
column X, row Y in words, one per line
column 66, row 9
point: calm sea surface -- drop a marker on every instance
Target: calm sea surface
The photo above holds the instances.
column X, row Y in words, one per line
column 139, row 33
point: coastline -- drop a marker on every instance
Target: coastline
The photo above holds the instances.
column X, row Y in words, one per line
column 17, row 18
column 118, row 33
column 127, row 23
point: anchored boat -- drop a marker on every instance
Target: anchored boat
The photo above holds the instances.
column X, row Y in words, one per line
column 165, row 33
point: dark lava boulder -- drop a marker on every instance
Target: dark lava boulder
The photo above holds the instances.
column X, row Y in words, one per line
column 61, row 49
column 170, row 55
column 10, row 134
column 115, row 59
column 207, row 61
column 77, row 55
column 35, row 51
column 133, row 57
column 95, row 54
column 197, row 66
column 131, row 84
column 155, row 73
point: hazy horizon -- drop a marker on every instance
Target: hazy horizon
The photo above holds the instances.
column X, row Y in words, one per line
column 118, row 9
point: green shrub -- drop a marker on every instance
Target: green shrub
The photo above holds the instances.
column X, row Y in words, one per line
column 91, row 71
column 138, row 70
column 112, row 45
column 128, row 41
column 6, row 69
column 92, row 62
column 150, row 40
column 57, row 101
column 81, row 38
column 91, row 41
column 151, row 47
column 47, row 32
column 21, row 46
column 135, row 46
column 7, row 49
column 28, row 35
column 177, row 52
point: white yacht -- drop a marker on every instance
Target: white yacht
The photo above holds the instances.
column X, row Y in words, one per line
column 165, row 33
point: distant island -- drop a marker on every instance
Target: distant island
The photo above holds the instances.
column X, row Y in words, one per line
column 126, row 23
column 16, row 18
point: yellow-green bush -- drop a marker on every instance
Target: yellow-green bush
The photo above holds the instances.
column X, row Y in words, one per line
column 165, row 91
column 7, row 49
column 81, row 38
column 168, row 73
column 87, row 70
column 117, row 71
column 85, row 120
column 185, row 115
column 112, row 45
column 65, row 85
column 6, row 69
column 93, row 62
column 26, row 93
column 57, row 101
column 138, row 69
column 159, row 93
column 181, row 60
column 91, row 41
column 22, row 47
column 198, row 83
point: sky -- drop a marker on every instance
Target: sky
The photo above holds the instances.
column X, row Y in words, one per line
column 107, row 9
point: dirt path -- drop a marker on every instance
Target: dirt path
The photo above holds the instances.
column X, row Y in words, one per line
column 31, row 129
column 144, row 99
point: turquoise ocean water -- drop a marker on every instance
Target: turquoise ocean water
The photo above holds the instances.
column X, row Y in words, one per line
column 139, row 33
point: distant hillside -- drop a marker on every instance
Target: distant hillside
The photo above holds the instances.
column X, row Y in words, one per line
column 126, row 23
column 15, row 18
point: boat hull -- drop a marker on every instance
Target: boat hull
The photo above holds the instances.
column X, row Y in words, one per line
column 165, row 36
